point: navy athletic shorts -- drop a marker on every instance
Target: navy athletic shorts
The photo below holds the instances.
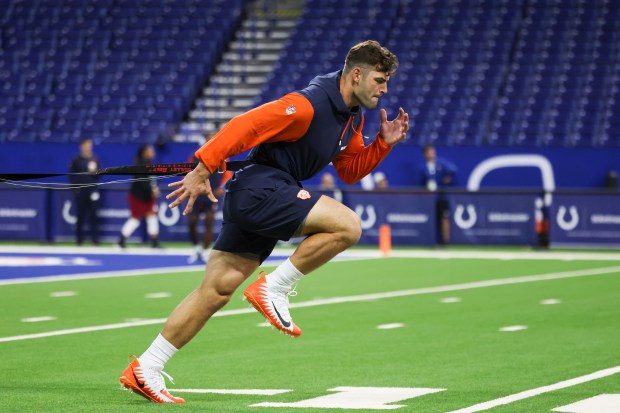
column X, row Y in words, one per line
column 262, row 205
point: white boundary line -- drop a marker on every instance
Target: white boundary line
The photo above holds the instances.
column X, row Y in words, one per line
column 540, row 390
column 339, row 300
column 256, row 392
column 356, row 254
column 104, row 274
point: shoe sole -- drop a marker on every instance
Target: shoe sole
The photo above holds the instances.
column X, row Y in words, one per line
column 250, row 298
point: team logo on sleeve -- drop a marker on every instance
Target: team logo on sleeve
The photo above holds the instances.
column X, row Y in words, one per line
column 303, row 194
column 291, row 109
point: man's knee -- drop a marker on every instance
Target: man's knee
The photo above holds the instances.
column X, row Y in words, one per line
column 351, row 228
column 215, row 298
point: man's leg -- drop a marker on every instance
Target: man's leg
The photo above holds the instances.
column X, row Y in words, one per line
column 81, row 210
column 331, row 228
column 223, row 275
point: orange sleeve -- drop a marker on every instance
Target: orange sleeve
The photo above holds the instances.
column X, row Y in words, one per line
column 225, row 177
column 357, row 160
column 284, row 120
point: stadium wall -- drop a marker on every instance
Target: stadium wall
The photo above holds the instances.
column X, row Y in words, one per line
column 585, row 167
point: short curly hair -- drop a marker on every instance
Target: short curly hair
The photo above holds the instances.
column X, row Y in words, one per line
column 371, row 53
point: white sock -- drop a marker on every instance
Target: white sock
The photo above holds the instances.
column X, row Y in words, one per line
column 158, row 354
column 285, row 276
column 198, row 248
column 129, row 227
column 152, row 225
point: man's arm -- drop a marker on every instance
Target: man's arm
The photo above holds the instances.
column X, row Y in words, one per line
column 286, row 119
column 357, row 161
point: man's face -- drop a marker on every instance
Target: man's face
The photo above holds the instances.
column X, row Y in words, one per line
column 429, row 154
column 372, row 85
column 86, row 148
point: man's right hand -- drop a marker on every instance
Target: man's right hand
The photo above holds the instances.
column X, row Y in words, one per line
column 193, row 185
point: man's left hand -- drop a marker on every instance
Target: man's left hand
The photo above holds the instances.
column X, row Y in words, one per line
column 394, row 131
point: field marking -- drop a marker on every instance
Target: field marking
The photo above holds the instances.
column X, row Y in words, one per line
column 450, row 300
column 513, row 328
column 550, row 301
column 603, row 403
column 390, row 326
column 340, row 300
column 103, row 274
column 540, row 390
column 38, row 319
column 158, row 295
column 356, row 254
column 255, row 392
column 376, row 398
column 60, row 294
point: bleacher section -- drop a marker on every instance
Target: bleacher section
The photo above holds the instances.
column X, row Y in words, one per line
column 513, row 73
column 477, row 72
column 113, row 70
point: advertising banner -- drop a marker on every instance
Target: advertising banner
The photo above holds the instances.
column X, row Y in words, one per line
column 23, row 215
column 410, row 216
column 114, row 211
column 585, row 219
column 492, row 219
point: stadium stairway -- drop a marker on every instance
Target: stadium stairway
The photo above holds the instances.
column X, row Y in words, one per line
column 238, row 78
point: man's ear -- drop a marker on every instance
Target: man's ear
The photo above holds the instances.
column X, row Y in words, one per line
column 356, row 74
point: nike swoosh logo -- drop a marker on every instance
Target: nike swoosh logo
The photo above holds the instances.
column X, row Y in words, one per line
column 141, row 385
column 286, row 324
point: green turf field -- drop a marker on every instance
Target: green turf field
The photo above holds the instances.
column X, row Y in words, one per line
column 455, row 348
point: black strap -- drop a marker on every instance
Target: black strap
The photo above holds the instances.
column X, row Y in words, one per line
column 162, row 169
column 236, row 165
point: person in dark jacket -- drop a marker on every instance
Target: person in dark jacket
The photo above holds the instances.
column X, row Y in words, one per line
column 86, row 193
column 293, row 139
column 143, row 195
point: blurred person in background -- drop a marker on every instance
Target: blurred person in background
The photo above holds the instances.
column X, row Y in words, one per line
column 142, row 201
column 329, row 188
column 381, row 181
column 86, row 193
column 437, row 174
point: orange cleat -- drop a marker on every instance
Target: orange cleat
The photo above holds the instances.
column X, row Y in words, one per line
column 273, row 305
column 148, row 383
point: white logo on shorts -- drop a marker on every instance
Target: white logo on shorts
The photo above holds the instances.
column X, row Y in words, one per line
column 303, row 194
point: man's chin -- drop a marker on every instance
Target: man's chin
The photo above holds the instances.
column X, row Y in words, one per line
column 370, row 105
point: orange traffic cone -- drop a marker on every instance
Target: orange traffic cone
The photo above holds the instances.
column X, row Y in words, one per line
column 385, row 239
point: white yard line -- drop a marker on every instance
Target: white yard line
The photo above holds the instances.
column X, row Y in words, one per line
column 540, row 390
column 103, row 274
column 339, row 300
column 255, row 392
column 356, row 254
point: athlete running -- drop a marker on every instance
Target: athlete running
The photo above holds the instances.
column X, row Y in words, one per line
column 293, row 138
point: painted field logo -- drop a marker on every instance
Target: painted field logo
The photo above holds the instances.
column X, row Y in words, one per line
column 303, row 194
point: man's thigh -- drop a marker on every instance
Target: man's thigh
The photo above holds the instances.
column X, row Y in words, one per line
column 329, row 216
column 256, row 218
